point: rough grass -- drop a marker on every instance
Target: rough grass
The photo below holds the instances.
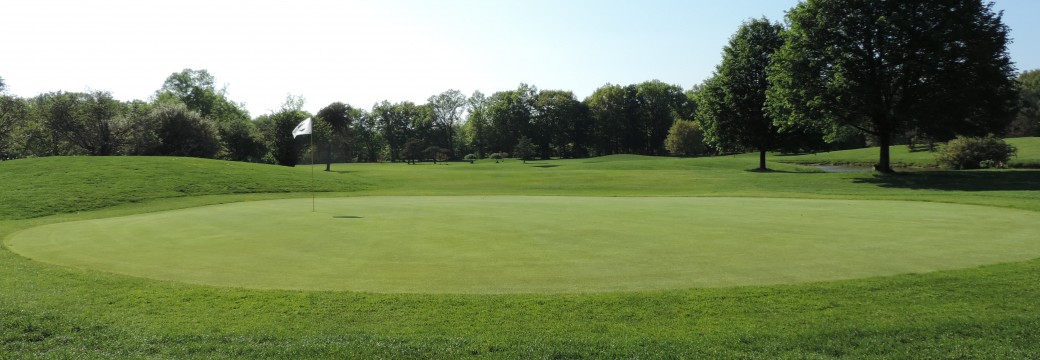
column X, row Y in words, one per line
column 58, row 312
column 902, row 156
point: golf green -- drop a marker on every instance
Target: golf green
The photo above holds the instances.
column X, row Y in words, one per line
column 536, row 244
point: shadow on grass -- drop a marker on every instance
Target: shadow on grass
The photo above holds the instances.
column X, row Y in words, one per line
column 767, row 171
column 958, row 180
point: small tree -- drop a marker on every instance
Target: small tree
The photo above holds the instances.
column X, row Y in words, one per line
column 975, row 153
column 524, row 149
column 412, row 150
column 685, row 138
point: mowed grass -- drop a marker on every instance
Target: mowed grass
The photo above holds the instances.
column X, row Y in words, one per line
column 53, row 311
column 902, row 156
column 530, row 244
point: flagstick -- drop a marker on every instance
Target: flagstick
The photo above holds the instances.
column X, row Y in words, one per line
column 312, row 172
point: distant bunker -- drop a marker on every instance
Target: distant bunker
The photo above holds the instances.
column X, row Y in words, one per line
column 536, row 244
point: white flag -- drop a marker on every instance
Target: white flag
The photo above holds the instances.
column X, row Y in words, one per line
column 303, row 129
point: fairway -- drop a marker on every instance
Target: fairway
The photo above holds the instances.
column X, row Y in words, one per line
column 531, row 244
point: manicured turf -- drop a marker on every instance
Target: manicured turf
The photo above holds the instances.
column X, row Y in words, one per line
column 56, row 311
column 525, row 244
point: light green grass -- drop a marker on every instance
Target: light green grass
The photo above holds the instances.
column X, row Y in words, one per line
column 524, row 244
column 1028, row 155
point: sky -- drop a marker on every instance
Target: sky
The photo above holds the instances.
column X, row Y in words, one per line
column 364, row 52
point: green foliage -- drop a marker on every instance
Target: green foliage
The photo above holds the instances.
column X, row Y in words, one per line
column 337, row 124
column 83, row 120
column 635, row 118
column 412, row 150
column 1027, row 122
column 13, row 114
column 731, row 103
column 496, row 156
column 845, row 63
column 182, row 132
column 523, row 149
column 975, row 153
column 685, row 138
column 559, row 124
column 400, row 122
column 448, row 108
column 277, row 128
column 241, row 141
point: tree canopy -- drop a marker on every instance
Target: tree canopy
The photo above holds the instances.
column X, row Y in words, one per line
column 883, row 67
column 730, row 105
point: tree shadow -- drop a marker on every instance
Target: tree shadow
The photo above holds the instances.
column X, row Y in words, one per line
column 958, row 180
column 772, row 171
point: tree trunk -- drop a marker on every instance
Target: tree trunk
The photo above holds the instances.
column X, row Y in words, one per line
column 328, row 159
column 762, row 160
column 884, row 163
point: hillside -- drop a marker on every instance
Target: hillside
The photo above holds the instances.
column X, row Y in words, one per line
column 1028, row 156
column 44, row 186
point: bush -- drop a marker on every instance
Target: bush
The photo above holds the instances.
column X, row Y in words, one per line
column 495, row 156
column 975, row 153
column 685, row 138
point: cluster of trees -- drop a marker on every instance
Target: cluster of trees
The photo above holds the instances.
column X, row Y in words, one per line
column 190, row 116
column 837, row 72
column 884, row 69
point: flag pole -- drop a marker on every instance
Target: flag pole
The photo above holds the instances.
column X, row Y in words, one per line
column 312, row 172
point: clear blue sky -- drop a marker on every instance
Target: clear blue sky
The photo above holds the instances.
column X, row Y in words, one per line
column 364, row 52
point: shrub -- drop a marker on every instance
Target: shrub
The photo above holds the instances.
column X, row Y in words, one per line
column 975, row 153
column 495, row 156
column 685, row 138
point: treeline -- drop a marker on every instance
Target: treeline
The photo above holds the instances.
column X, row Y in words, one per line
column 189, row 116
column 837, row 74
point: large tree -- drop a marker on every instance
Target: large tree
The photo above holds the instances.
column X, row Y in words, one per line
column 336, row 120
column 197, row 90
column 610, row 109
column 660, row 104
column 448, row 108
column 183, row 132
column 1027, row 123
column 84, row 120
column 401, row 121
column 557, row 122
column 885, row 67
column 731, row 103
column 509, row 116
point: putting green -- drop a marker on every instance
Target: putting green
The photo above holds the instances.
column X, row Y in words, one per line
column 510, row 244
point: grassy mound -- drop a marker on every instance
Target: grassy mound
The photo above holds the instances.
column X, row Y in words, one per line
column 1028, row 156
